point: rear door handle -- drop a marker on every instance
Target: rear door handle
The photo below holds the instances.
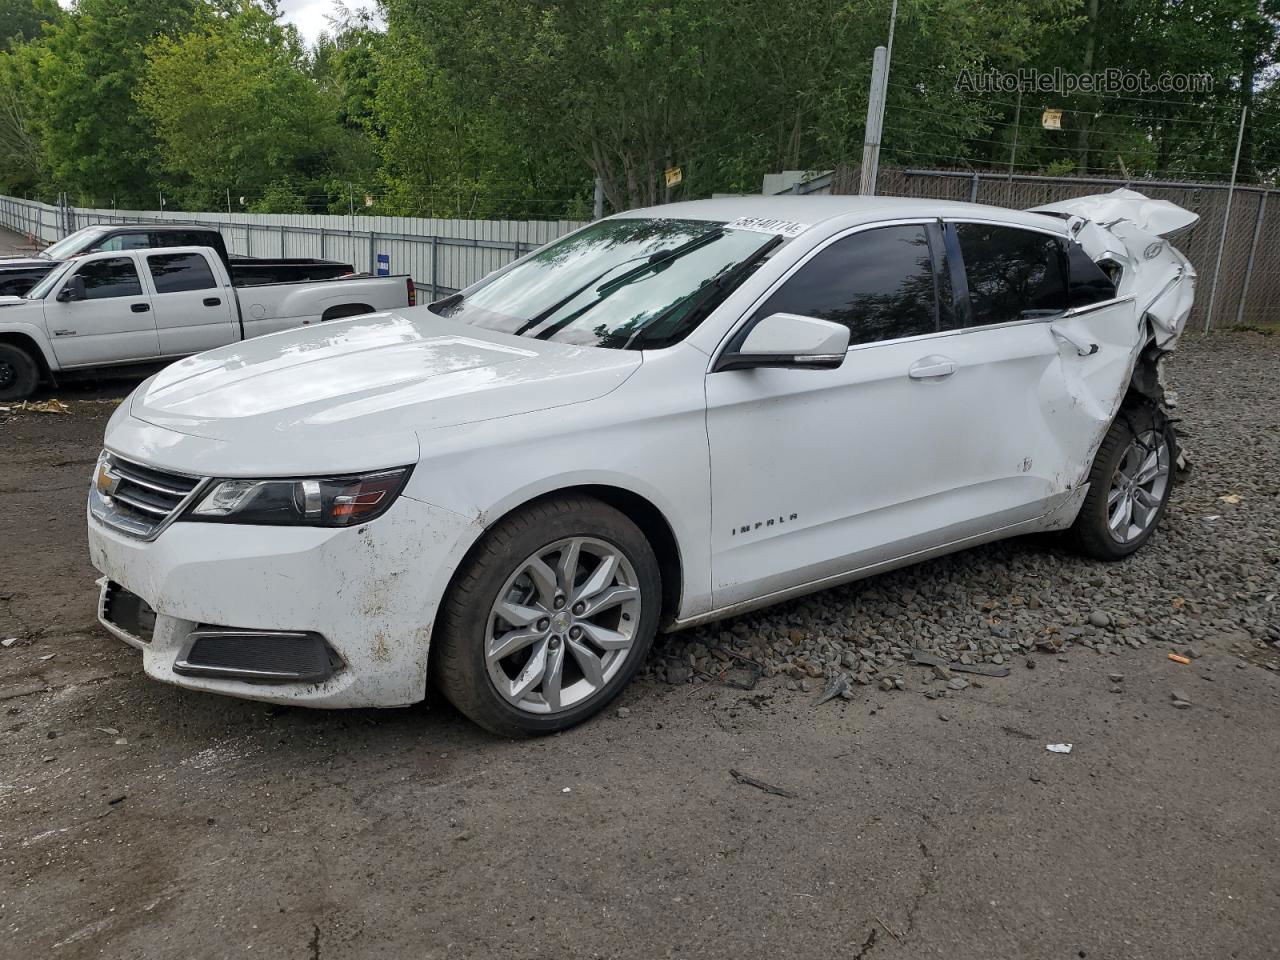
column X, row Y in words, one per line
column 140, row 307
column 212, row 301
column 1082, row 348
column 932, row 368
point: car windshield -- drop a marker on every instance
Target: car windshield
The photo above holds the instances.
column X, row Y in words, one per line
column 72, row 243
column 629, row 283
column 44, row 285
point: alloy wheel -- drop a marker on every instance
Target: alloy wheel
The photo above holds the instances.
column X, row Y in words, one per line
column 562, row 625
column 1138, row 487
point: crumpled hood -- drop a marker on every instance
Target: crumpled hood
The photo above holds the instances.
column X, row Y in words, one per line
column 1158, row 217
column 1132, row 230
column 355, row 394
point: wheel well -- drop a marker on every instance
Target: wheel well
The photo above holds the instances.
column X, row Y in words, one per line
column 644, row 515
column 1145, row 385
column 31, row 347
column 346, row 310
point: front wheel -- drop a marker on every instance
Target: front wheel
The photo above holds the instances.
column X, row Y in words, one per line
column 1129, row 486
column 549, row 617
column 19, row 374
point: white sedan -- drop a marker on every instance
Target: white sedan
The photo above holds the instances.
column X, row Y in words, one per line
column 667, row 417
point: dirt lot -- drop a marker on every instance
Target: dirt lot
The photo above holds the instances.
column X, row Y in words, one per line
column 139, row 820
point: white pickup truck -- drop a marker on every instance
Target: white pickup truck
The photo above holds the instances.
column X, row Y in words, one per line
column 147, row 307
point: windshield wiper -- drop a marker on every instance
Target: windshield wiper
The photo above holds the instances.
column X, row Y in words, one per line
column 651, row 262
column 710, row 296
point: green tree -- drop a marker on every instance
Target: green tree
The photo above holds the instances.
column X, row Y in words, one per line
column 512, row 101
column 95, row 140
column 21, row 152
column 234, row 106
column 24, row 20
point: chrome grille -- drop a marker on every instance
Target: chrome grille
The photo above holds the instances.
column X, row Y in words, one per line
column 137, row 499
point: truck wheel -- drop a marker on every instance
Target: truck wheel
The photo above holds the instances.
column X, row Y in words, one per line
column 19, row 373
column 549, row 617
column 1129, row 486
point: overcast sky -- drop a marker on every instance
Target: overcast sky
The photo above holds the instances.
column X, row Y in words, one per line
column 307, row 15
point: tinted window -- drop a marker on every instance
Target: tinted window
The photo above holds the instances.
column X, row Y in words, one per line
column 1013, row 274
column 878, row 283
column 1086, row 281
column 110, row 278
column 124, row 241
column 176, row 272
column 181, row 238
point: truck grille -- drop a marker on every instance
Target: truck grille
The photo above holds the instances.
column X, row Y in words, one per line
column 136, row 499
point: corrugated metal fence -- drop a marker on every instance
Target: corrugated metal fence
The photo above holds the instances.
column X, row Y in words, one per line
column 441, row 255
column 1248, row 282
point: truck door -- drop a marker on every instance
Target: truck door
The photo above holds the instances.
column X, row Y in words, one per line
column 113, row 323
column 193, row 311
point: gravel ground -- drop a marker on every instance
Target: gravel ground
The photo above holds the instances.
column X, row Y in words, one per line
column 141, row 820
column 1209, row 579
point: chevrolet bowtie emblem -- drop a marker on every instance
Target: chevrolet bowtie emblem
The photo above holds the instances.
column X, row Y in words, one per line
column 105, row 480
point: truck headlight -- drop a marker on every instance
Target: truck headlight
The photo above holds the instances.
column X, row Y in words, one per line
column 309, row 502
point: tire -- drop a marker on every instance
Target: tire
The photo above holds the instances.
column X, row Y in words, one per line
column 1139, row 437
column 517, row 568
column 19, row 373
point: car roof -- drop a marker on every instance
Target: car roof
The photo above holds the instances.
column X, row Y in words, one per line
column 812, row 210
column 158, row 226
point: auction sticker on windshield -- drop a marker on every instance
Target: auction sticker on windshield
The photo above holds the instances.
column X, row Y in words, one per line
column 787, row 228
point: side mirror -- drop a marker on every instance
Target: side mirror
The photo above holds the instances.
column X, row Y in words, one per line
column 790, row 340
column 73, row 289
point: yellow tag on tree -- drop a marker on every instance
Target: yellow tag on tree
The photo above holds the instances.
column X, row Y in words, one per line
column 1051, row 120
column 674, row 176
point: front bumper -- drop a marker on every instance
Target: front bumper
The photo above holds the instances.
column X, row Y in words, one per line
column 370, row 591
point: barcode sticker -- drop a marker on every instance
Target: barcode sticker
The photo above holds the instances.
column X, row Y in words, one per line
column 788, row 228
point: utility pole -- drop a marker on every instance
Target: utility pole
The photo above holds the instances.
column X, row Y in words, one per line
column 875, row 121
column 1226, row 219
column 1013, row 150
column 597, row 206
column 875, row 110
column 228, row 201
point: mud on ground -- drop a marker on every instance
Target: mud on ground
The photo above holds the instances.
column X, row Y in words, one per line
column 139, row 820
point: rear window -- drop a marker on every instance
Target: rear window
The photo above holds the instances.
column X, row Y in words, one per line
column 179, row 272
column 123, row 241
column 1013, row 274
column 1087, row 283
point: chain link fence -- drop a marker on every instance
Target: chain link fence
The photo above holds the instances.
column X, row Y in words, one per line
column 1248, row 281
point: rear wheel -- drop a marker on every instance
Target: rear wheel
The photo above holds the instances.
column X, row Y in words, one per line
column 1129, row 486
column 19, row 373
column 549, row 618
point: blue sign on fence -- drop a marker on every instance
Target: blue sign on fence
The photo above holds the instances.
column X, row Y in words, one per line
column 384, row 264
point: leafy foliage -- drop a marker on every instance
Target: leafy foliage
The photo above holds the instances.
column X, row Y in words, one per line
column 513, row 108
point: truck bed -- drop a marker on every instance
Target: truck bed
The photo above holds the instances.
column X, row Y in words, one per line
column 254, row 271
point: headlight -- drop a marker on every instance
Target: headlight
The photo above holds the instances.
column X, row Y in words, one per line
column 309, row 502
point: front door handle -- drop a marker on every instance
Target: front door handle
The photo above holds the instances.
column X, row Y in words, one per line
column 140, row 307
column 1082, row 348
column 932, row 368
column 212, row 302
